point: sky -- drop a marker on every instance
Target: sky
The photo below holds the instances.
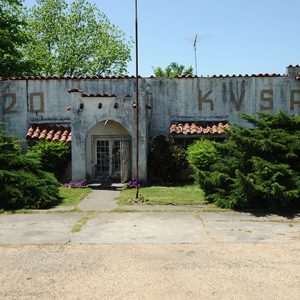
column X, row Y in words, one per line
column 234, row 36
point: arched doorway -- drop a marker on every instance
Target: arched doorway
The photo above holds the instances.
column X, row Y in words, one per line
column 108, row 150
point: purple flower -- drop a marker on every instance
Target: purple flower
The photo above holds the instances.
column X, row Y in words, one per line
column 76, row 184
column 133, row 183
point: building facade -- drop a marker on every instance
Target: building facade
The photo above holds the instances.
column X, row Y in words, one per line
column 98, row 114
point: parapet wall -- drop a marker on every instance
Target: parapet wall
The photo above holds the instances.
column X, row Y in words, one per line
column 46, row 99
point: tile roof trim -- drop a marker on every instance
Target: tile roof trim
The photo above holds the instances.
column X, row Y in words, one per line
column 104, row 95
column 50, row 132
column 133, row 77
column 65, row 77
column 198, row 128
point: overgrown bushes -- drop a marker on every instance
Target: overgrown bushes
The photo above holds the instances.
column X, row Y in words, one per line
column 54, row 156
column 254, row 168
column 166, row 160
column 23, row 184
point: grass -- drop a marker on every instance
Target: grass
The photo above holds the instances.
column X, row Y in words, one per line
column 82, row 221
column 165, row 195
column 73, row 196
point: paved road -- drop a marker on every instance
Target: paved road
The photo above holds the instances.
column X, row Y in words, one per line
column 147, row 227
column 150, row 255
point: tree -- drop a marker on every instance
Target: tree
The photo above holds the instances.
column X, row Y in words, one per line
column 22, row 182
column 74, row 39
column 173, row 70
column 12, row 25
column 256, row 167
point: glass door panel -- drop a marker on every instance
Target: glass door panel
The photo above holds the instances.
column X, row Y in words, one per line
column 102, row 158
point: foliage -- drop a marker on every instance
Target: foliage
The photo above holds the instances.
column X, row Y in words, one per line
column 173, row 70
column 54, row 156
column 258, row 167
column 22, row 182
column 166, row 160
column 74, row 38
column 12, row 26
column 202, row 154
column 164, row 195
column 73, row 196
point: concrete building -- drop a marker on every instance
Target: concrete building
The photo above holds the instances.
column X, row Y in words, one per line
column 98, row 114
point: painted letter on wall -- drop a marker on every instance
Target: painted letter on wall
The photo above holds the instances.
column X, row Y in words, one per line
column 293, row 101
column 237, row 103
column 266, row 96
column 12, row 100
column 204, row 99
column 36, row 97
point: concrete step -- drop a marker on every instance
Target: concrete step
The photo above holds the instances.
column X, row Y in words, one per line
column 107, row 186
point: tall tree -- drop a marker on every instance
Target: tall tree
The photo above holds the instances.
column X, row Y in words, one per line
column 12, row 37
column 173, row 70
column 74, row 39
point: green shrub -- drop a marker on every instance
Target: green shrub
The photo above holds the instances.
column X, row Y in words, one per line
column 202, row 154
column 166, row 160
column 54, row 156
column 254, row 168
column 22, row 182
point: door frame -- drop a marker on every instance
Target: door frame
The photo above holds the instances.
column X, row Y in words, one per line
column 111, row 139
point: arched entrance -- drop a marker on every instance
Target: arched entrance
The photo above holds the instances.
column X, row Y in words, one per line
column 108, row 150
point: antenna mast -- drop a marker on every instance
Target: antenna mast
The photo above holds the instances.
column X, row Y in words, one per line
column 195, row 49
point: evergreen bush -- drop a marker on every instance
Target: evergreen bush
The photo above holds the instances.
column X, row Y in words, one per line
column 256, row 167
column 23, row 184
column 166, row 160
column 54, row 156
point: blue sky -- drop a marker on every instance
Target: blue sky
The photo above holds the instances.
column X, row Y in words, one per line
column 234, row 36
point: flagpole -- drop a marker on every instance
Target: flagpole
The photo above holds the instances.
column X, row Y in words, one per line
column 137, row 99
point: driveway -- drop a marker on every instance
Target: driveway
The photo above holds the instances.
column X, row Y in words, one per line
column 146, row 227
column 149, row 255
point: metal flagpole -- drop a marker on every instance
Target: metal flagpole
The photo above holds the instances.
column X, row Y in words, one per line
column 137, row 99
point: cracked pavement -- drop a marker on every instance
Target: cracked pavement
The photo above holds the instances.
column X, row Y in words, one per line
column 147, row 227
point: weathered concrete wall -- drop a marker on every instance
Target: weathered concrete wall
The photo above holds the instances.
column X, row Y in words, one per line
column 162, row 100
column 197, row 99
column 86, row 114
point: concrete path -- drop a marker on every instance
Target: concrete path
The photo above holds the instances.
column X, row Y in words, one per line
column 147, row 227
column 106, row 200
column 37, row 228
column 100, row 200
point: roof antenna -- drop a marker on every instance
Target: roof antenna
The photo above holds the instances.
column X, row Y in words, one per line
column 195, row 49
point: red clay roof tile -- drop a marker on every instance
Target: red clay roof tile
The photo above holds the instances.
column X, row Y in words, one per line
column 49, row 132
column 66, row 77
column 199, row 128
column 133, row 77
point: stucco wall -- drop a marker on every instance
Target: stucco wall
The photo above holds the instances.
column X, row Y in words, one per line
column 170, row 99
column 106, row 128
column 162, row 100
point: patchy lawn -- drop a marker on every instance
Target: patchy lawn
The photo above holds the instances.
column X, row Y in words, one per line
column 73, row 196
column 165, row 195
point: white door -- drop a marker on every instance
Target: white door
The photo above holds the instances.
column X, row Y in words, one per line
column 112, row 159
